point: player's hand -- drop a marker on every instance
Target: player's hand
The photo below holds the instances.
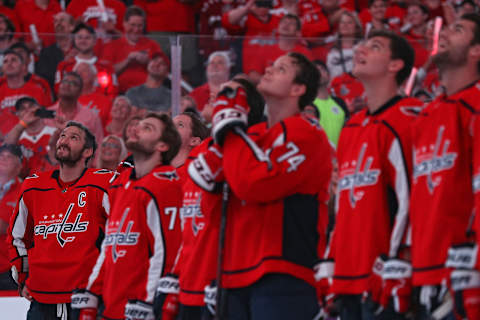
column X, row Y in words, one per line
column 166, row 303
column 466, row 288
column 26, row 293
column 139, row 310
column 230, row 111
column 85, row 304
column 210, row 298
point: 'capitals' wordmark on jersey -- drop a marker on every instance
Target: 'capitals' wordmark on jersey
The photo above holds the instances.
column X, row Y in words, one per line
column 193, row 211
column 439, row 160
column 126, row 238
column 360, row 177
column 62, row 227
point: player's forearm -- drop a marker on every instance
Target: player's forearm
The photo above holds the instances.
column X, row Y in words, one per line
column 14, row 134
column 121, row 66
column 236, row 15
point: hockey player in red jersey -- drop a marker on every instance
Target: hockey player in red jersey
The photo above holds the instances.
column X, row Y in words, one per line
column 280, row 172
column 143, row 230
column 57, row 227
column 442, row 200
column 374, row 153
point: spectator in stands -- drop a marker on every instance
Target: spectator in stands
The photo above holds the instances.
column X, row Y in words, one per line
column 218, row 72
column 129, row 127
column 99, row 103
column 28, row 67
column 107, row 23
column 68, row 108
column 32, row 134
column 51, row 56
column 377, row 11
column 10, row 185
column 131, row 53
column 340, row 57
column 6, row 34
column 112, row 152
column 332, row 111
column 188, row 104
column 153, row 95
column 120, row 114
column 40, row 14
column 84, row 40
column 288, row 31
column 13, row 87
column 415, row 31
column 333, row 10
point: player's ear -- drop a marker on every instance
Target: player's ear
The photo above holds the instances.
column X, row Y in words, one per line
column 161, row 146
column 195, row 141
column 87, row 152
column 297, row 90
column 395, row 65
column 474, row 51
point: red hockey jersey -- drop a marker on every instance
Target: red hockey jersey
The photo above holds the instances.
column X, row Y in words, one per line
column 142, row 238
column 60, row 230
column 441, row 197
column 374, row 157
column 200, row 224
column 282, row 175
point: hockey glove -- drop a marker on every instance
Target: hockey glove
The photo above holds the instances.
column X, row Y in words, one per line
column 376, row 280
column 462, row 256
column 231, row 110
column 431, row 297
column 206, row 170
column 323, row 277
column 397, row 284
column 466, row 291
column 166, row 298
column 210, row 298
column 139, row 310
column 85, row 304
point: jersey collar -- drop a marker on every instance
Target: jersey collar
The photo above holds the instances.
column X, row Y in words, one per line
column 386, row 105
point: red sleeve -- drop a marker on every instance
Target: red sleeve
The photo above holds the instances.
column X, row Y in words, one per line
column 476, row 176
column 232, row 29
column 314, row 24
column 282, row 170
column 75, row 8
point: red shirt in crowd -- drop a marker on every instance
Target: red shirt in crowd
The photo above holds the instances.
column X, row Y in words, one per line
column 168, row 15
column 201, row 95
column 99, row 103
column 29, row 13
column 7, row 205
column 118, row 50
column 90, row 12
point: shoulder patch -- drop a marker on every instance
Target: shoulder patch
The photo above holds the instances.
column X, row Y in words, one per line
column 167, row 175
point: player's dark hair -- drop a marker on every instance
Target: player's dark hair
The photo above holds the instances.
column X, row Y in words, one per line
column 134, row 11
column 199, row 129
column 20, row 46
column 292, row 16
column 421, row 6
column 400, row 49
column 475, row 18
column 10, row 26
column 170, row 136
column 19, row 103
column 371, row 2
column 90, row 141
column 255, row 101
column 308, row 75
column 76, row 76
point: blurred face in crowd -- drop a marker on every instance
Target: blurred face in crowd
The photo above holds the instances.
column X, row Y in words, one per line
column 12, row 65
column 86, row 72
column 84, row 41
column 287, row 27
column 466, row 7
column 26, row 107
column 70, row 87
column 324, row 76
column 10, row 164
column 346, row 26
column 378, row 9
column 217, row 69
column 454, row 44
column 120, row 109
column 111, row 149
column 70, row 146
column 146, row 136
column 25, row 56
column 158, row 67
column 134, row 28
column 130, row 128
column 278, row 78
column 329, row 4
column 415, row 16
column 63, row 23
column 372, row 58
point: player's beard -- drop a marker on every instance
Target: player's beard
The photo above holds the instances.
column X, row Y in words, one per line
column 71, row 159
column 453, row 58
column 138, row 148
